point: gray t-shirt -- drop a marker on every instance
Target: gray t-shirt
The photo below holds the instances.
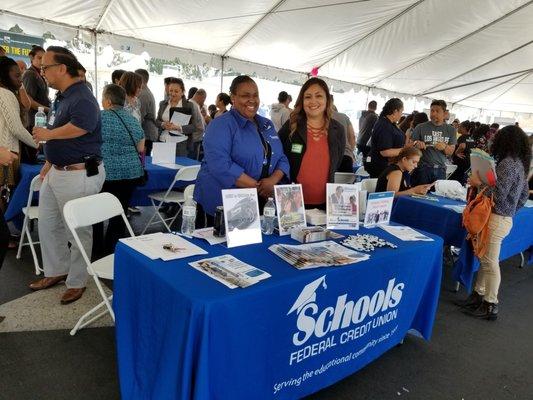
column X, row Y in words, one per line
column 344, row 120
column 430, row 134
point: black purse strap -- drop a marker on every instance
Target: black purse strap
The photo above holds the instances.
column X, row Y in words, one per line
column 267, row 155
column 130, row 135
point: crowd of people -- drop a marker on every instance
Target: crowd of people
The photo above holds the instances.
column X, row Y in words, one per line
column 88, row 150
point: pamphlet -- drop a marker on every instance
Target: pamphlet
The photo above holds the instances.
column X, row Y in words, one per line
column 230, row 271
column 483, row 164
column 241, row 217
column 290, row 206
column 207, row 234
column 163, row 153
column 314, row 255
column 342, row 205
column 378, row 208
column 405, row 233
column 180, row 119
column 165, row 246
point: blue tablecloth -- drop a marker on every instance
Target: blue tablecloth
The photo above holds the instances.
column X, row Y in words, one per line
column 182, row 335
column 160, row 178
column 434, row 217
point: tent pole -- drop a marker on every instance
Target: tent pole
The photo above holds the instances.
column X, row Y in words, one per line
column 222, row 74
column 95, row 64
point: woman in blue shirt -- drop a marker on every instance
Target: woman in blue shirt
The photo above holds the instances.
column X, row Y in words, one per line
column 122, row 141
column 241, row 150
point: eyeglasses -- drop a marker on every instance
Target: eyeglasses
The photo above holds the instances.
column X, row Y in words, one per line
column 45, row 67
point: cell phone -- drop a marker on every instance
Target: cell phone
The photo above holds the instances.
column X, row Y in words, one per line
column 91, row 165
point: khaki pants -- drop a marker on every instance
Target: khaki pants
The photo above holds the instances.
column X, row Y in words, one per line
column 489, row 278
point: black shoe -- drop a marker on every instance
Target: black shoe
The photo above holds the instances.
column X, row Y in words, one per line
column 486, row 310
column 472, row 302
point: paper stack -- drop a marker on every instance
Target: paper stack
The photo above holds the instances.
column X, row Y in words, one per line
column 165, row 246
column 484, row 164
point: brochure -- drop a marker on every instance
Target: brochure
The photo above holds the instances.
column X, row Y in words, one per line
column 230, row 271
column 180, row 118
column 207, row 234
column 484, row 164
column 290, row 206
column 378, row 208
column 165, row 246
column 314, row 255
column 241, row 216
column 405, row 233
column 342, row 206
column 164, row 153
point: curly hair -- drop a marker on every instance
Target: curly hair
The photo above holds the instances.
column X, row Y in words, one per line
column 511, row 141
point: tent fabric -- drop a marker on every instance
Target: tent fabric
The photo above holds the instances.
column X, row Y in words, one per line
column 413, row 47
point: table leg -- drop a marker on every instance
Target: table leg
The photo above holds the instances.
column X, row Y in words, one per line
column 522, row 260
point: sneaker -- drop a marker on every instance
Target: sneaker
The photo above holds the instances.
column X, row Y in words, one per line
column 134, row 210
column 472, row 302
column 486, row 310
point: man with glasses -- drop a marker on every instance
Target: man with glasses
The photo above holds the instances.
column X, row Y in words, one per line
column 73, row 169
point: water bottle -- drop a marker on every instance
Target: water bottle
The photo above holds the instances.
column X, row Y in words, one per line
column 40, row 119
column 188, row 216
column 269, row 214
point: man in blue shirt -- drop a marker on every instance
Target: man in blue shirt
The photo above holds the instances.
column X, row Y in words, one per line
column 73, row 169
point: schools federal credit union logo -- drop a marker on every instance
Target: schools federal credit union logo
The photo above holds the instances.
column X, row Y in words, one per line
column 311, row 320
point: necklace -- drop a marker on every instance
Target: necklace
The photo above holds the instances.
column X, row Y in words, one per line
column 316, row 133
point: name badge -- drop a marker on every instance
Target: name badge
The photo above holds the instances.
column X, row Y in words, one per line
column 297, row 148
column 52, row 118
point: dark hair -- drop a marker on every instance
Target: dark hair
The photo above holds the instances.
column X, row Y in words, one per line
column 191, row 93
column 406, row 123
column 116, row 75
column 298, row 114
column 495, row 126
column 481, row 131
column 212, row 110
column 144, row 74
column 469, row 126
column 6, row 64
column 372, row 105
column 419, row 118
column 237, row 81
column 82, row 68
column 477, row 124
column 178, row 81
column 511, row 141
column 407, row 152
column 167, row 80
column 439, row 103
column 283, row 96
column 131, row 82
column 34, row 50
column 114, row 93
column 391, row 106
column 64, row 56
column 224, row 98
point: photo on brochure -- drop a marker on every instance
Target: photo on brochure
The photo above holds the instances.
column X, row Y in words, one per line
column 241, row 216
column 378, row 208
column 290, row 207
column 342, row 206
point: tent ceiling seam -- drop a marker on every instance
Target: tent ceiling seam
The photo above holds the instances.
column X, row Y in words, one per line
column 277, row 5
column 510, row 88
column 496, row 21
column 386, row 23
column 478, row 67
column 490, row 88
column 102, row 16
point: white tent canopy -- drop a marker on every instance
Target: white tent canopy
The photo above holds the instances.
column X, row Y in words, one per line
column 476, row 53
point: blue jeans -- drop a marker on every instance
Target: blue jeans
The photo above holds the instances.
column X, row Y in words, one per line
column 426, row 174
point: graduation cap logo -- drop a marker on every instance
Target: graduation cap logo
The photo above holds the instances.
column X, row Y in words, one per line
column 308, row 294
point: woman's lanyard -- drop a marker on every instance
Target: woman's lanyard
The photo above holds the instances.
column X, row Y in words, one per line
column 267, row 155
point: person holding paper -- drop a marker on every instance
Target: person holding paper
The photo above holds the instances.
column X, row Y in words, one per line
column 395, row 178
column 513, row 156
column 192, row 122
column 313, row 142
column 241, row 150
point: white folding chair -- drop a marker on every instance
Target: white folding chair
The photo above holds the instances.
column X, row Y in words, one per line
column 87, row 211
column 31, row 213
column 185, row 174
column 450, row 169
column 369, row 185
column 344, row 177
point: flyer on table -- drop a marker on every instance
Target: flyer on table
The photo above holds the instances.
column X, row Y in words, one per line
column 342, row 206
column 241, row 216
column 378, row 208
column 290, row 206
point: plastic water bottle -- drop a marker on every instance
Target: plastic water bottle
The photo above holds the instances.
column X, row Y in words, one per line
column 40, row 119
column 188, row 216
column 269, row 214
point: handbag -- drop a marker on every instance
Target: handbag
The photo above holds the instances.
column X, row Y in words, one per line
column 476, row 222
column 141, row 181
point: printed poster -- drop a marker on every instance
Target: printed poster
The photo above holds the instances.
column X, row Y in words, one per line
column 241, row 217
column 342, row 206
column 378, row 208
column 290, row 206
